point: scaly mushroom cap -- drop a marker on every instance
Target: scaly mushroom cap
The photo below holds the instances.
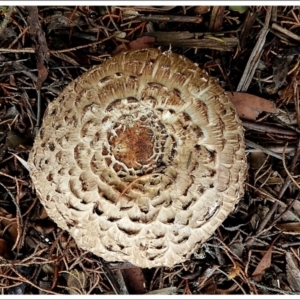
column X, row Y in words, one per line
column 140, row 159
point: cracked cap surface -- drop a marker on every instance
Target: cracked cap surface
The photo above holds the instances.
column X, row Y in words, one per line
column 140, row 159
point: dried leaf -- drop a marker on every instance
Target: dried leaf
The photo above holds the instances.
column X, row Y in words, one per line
column 139, row 43
column 239, row 9
column 216, row 19
column 292, row 272
column 264, row 264
column 135, row 280
column 289, row 228
column 249, row 106
column 5, row 250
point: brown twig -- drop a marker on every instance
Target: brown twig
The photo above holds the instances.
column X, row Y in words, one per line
column 168, row 18
column 286, row 32
column 32, row 50
column 41, row 49
column 19, row 217
column 265, row 150
column 255, row 55
column 190, row 39
column 261, row 127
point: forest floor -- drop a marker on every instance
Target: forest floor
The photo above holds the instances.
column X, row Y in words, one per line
column 253, row 52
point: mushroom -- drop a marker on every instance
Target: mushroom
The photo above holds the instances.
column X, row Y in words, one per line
column 140, row 159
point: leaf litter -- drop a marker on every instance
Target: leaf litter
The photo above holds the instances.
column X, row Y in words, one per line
column 251, row 51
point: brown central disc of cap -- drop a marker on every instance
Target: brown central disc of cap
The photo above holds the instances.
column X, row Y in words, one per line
column 133, row 146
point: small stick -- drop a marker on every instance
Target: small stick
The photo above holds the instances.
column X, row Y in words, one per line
column 286, row 32
column 32, row 50
column 255, row 55
column 257, row 146
column 268, row 129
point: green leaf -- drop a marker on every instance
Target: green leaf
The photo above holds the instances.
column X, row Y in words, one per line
column 239, row 9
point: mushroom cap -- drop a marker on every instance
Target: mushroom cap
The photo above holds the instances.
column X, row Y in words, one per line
column 140, row 159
